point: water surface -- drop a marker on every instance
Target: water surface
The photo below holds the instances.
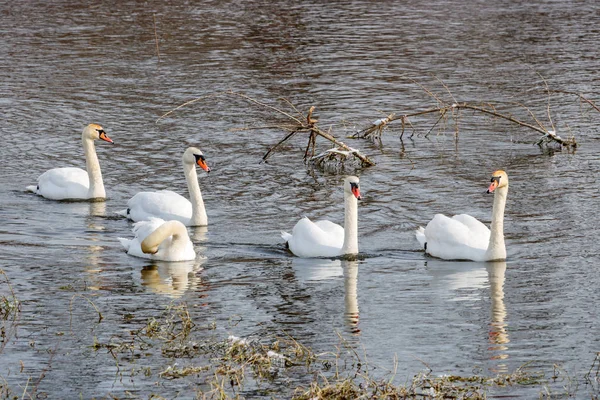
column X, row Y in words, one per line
column 65, row 64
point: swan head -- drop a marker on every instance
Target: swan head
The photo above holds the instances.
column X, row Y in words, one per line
column 499, row 180
column 351, row 187
column 193, row 155
column 148, row 249
column 95, row 132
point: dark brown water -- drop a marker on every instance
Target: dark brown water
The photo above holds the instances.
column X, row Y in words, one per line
column 65, row 64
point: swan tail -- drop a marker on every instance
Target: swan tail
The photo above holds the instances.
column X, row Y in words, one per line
column 126, row 243
column 420, row 234
column 286, row 236
column 32, row 188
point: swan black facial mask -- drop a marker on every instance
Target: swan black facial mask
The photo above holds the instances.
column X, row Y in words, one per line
column 495, row 183
column 201, row 161
column 355, row 190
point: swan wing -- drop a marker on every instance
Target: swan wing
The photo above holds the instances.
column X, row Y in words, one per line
column 164, row 204
column 331, row 228
column 309, row 239
column 453, row 239
column 480, row 234
column 64, row 183
column 140, row 231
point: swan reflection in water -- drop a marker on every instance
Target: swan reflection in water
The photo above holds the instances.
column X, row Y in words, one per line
column 173, row 279
column 498, row 336
column 96, row 237
column 307, row 269
column 465, row 282
column 350, row 296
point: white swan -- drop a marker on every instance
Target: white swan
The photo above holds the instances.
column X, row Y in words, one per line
column 463, row 237
column 169, row 205
column 156, row 239
column 324, row 238
column 75, row 183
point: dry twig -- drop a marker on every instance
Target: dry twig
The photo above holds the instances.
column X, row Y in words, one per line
column 297, row 124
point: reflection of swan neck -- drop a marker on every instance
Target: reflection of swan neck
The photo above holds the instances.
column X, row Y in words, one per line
column 496, row 277
column 496, row 273
column 92, row 166
column 198, row 233
column 350, row 224
column 496, row 248
column 350, row 295
column 199, row 217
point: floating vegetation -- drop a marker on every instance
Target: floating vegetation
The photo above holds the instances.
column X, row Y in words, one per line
column 174, row 372
column 10, row 310
column 214, row 367
column 9, row 305
column 207, row 365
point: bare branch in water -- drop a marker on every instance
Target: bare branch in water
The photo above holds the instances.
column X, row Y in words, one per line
column 549, row 135
column 581, row 97
column 300, row 124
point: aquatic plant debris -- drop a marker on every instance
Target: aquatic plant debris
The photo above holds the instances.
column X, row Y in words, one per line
column 226, row 368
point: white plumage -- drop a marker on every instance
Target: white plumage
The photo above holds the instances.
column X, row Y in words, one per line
column 169, row 240
column 75, row 183
column 463, row 237
column 325, row 238
column 169, row 205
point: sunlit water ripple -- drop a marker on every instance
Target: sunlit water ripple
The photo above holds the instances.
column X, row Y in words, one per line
column 67, row 64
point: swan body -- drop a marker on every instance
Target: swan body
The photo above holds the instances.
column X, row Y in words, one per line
column 75, row 183
column 156, row 239
column 325, row 238
column 168, row 205
column 463, row 237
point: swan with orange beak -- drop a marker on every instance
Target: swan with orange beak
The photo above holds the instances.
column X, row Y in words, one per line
column 325, row 238
column 168, row 205
column 75, row 183
column 463, row 237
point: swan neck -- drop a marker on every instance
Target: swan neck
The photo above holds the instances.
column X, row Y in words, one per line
column 350, row 225
column 170, row 228
column 496, row 248
column 92, row 166
column 199, row 217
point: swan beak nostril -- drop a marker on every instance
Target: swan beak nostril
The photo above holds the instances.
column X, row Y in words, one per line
column 105, row 137
column 202, row 164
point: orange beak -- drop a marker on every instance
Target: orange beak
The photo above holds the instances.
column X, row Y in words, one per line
column 356, row 192
column 493, row 186
column 105, row 137
column 202, row 164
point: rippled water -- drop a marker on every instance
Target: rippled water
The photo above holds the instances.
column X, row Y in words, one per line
column 65, row 64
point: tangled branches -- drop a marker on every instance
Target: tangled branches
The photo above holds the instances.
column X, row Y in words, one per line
column 305, row 124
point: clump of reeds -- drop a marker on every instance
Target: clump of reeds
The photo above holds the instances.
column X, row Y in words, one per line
column 225, row 368
column 9, row 305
